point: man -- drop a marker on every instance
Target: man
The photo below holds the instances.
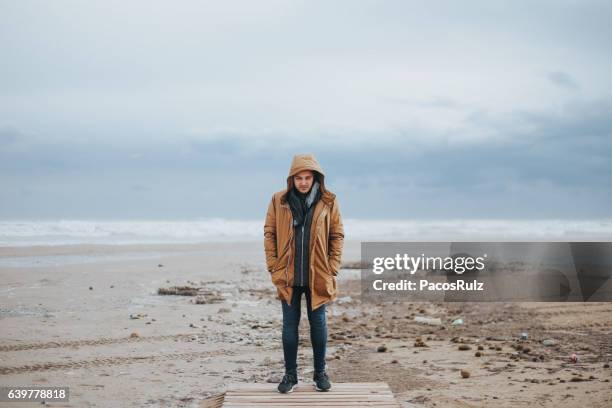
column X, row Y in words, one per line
column 303, row 244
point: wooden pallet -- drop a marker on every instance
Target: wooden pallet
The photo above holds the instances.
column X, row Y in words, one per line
column 341, row 395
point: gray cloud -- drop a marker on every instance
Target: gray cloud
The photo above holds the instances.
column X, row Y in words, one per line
column 8, row 136
column 435, row 109
column 140, row 187
column 435, row 103
column 563, row 80
column 542, row 172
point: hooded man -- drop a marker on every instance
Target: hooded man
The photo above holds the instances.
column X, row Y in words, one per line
column 303, row 242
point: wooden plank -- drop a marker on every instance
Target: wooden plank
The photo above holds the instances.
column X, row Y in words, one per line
column 289, row 403
column 310, row 388
column 306, row 386
column 314, row 394
column 304, row 395
column 297, row 399
column 215, row 401
column 261, row 386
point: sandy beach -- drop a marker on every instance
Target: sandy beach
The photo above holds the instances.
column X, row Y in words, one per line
column 90, row 317
column 439, row 170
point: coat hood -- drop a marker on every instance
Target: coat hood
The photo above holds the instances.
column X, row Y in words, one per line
column 303, row 162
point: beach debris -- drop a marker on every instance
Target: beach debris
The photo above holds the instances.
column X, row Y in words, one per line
column 394, row 361
column 496, row 338
column 344, row 299
column 137, row 316
column 213, row 298
column 432, row 321
column 203, row 296
column 91, row 288
column 179, row 291
column 549, row 342
column 464, row 347
column 418, row 342
column 457, row 322
column 517, row 347
column 274, row 378
column 193, row 326
column 465, row 373
column 160, row 265
column 524, row 336
column 574, row 358
column 607, row 365
column 134, row 335
column 478, row 354
column 382, row 348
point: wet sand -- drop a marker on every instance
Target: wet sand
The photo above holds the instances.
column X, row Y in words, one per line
column 121, row 344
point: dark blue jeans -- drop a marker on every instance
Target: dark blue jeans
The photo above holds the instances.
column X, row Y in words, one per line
column 318, row 330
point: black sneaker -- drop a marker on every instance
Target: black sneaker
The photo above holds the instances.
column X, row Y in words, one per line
column 321, row 381
column 289, row 381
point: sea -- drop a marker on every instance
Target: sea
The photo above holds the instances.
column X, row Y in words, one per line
column 15, row 233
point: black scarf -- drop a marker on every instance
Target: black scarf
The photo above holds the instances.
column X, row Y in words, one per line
column 300, row 203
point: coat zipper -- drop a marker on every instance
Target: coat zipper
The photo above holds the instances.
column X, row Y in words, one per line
column 302, row 261
column 287, row 267
column 288, row 247
column 321, row 214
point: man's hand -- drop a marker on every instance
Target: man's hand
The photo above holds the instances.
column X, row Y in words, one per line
column 336, row 238
column 270, row 237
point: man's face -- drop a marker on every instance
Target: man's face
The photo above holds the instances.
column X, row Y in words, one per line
column 303, row 181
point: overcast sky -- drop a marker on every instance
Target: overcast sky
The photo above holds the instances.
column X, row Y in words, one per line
column 185, row 109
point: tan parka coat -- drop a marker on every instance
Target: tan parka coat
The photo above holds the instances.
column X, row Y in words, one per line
column 326, row 239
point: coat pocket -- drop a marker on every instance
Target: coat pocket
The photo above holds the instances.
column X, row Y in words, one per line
column 329, row 268
column 278, row 277
column 276, row 264
column 281, row 262
column 325, row 282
